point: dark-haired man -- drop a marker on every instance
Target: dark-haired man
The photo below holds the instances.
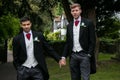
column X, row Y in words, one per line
column 28, row 57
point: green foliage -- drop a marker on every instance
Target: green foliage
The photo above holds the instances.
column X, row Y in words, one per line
column 107, row 45
column 46, row 31
column 47, row 21
column 53, row 36
column 9, row 26
column 105, row 56
column 10, row 44
column 107, row 40
column 58, row 46
column 109, row 29
column 58, row 10
column 118, row 50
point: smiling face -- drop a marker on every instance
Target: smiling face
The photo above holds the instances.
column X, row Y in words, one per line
column 26, row 26
column 76, row 10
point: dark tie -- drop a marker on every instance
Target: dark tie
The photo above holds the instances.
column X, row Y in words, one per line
column 28, row 36
column 76, row 22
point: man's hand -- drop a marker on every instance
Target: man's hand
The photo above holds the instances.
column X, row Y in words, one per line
column 62, row 62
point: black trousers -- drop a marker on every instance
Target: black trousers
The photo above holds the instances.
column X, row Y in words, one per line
column 80, row 66
column 33, row 73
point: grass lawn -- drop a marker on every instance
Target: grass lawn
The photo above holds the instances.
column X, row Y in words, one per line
column 107, row 69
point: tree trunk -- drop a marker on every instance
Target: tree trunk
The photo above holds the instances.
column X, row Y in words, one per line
column 66, row 7
column 92, row 15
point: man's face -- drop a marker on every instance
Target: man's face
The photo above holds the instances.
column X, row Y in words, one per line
column 76, row 12
column 26, row 25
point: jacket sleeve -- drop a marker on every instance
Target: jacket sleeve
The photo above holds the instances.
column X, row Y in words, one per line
column 15, row 52
column 66, row 50
column 50, row 51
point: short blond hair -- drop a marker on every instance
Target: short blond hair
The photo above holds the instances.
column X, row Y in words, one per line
column 75, row 5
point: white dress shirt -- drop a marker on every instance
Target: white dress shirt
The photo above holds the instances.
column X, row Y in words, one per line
column 76, row 35
column 30, row 61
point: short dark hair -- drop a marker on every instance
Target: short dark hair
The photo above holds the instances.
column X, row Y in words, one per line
column 25, row 18
column 75, row 5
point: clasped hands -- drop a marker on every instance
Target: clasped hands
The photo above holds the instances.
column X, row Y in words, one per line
column 62, row 62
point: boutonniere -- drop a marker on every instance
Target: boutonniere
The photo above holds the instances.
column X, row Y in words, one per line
column 83, row 24
column 36, row 39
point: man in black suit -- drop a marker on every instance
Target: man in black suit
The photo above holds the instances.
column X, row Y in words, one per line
column 28, row 57
column 80, row 45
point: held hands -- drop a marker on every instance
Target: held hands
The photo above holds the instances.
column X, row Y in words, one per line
column 62, row 62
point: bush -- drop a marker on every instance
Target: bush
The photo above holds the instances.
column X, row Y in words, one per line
column 9, row 26
column 10, row 44
column 54, row 39
column 58, row 46
column 107, row 45
column 118, row 50
column 53, row 36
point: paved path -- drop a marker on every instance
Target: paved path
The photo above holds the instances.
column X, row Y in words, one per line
column 9, row 56
column 7, row 71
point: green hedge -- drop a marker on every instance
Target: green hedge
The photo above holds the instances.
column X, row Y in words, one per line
column 58, row 46
column 107, row 45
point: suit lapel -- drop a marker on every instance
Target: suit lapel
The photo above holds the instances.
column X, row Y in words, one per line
column 81, row 31
column 22, row 42
column 71, row 29
column 34, row 35
column 34, row 45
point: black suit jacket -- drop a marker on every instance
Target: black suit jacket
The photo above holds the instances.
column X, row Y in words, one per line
column 87, row 39
column 20, row 55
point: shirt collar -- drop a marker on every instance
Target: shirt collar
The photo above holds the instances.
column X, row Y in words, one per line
column 79, row 19
column 27, row 33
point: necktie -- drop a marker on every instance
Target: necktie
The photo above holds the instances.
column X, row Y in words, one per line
column 76, row 22
column 28, row 36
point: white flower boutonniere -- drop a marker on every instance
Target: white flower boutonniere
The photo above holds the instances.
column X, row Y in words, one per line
column 83, row 24
column 36, row 39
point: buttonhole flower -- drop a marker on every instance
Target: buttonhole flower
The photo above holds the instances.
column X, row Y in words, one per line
column 83, row 24
column 36, row 39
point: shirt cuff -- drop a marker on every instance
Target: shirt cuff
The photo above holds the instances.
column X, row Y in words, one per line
column 89, row 55
column 63, row 58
